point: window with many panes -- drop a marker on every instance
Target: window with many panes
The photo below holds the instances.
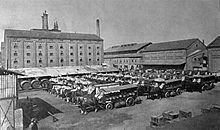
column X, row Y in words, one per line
column 28, row 46
column 15, row 54
column 15, row 61
column 28, row 61
column 15, row 46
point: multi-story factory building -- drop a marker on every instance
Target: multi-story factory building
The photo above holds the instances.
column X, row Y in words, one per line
column 48, row 48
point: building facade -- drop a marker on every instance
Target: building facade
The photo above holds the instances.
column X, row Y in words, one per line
column 47, row 48
column 125, row 56
column 214, row 55
column 182, row 54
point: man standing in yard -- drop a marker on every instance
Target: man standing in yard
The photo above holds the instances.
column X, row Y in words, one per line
column 33, row 125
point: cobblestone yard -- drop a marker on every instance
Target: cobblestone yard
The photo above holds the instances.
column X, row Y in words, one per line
column 136, row 117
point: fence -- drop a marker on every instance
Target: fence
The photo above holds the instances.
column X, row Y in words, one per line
column 8, row 94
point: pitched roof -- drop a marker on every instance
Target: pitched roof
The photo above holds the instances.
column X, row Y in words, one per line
column 50, row 35
column 127, row 47
column 133, row 55
column 171, row 45
column 215, row 43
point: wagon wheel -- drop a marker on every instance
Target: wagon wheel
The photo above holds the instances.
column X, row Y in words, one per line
column 203, row 88
column 178, row 91
column 167, row 94
column 129, row 101
column 109, row 106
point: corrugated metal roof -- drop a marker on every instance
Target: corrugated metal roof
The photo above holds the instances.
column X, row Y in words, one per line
column 215, row 43
column 7, row 72
column 126, row 47
column 63, row 70
column 171, row 45
column 50, row 35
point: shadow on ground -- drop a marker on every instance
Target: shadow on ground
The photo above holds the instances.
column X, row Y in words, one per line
column 35, row 108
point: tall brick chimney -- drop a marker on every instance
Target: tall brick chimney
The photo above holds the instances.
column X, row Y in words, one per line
column 45, row 21
column 97, row 28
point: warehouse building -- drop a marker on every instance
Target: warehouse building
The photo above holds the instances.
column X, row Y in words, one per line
column 124, row 56
column 214, row 55
column 49, row 48
column 189, row 54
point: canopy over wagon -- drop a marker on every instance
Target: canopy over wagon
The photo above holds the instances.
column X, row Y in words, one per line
column 119, row 88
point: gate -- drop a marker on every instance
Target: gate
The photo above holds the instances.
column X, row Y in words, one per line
column 8, row 95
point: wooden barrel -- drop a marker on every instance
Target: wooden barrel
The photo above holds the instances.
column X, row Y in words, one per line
column 25, row 85
column 45, row 83
column 117, row 104
column 122, row 103
column 35, row 83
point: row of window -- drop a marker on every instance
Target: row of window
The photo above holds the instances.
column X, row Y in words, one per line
column 51, row 61
column 125, row 61
column 51, row 47
column 51, row 54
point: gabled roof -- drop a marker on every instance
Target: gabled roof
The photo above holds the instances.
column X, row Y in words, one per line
column 171, row 45
column 127, row 47
column 50, row 35
column 215, row 43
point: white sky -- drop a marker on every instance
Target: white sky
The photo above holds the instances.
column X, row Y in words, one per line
column 121, row 21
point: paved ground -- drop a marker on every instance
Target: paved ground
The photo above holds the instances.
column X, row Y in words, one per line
column 128, row 118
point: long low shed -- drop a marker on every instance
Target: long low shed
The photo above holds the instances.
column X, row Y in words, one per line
column 64, row 70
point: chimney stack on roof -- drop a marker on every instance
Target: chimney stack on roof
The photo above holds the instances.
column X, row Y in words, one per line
column 45, row 21
column 56, row 27
column 97, row 28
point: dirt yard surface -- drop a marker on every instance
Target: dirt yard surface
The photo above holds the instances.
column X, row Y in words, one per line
column 136, row 117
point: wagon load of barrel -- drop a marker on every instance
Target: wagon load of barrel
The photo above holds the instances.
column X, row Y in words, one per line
column 199, row 82
column 110, row 97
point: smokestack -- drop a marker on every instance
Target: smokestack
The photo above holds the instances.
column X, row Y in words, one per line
column 97, row 28
column 45, row 20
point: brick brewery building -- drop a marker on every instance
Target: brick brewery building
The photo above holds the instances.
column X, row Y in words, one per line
column 189, row 54
column 47, row 48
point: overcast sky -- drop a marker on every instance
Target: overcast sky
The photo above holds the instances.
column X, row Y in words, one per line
column 121, row 21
